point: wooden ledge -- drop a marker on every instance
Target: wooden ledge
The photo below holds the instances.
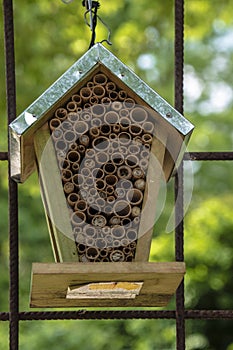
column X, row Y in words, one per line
column 51, row 283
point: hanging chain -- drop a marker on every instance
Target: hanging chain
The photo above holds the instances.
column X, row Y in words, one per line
column 91, row 10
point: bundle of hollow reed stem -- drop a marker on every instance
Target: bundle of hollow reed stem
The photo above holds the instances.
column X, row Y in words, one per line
column 102, row 140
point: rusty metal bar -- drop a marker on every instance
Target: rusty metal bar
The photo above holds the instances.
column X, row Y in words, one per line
column 208, row 156
column 179, row 205
column 3, row 156
column 12, row 186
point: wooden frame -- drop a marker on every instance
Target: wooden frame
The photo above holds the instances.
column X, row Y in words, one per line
column 50, row 283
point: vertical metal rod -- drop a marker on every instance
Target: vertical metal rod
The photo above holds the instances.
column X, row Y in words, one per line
column 179, row 209
column 13, row 193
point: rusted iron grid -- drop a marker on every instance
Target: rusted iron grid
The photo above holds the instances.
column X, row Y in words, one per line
column 180, row 314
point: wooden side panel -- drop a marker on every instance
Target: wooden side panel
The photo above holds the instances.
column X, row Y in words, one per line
column 153, row 179
column 50, row 283
column 54, row 199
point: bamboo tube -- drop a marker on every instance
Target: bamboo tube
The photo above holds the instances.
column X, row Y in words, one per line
column 138, row 115
column 111, row 179
column 117, row 159
column 54, row 123
column 85, row 117
column 64, row 164
column 66, row 125
column 113, row 95
column 148, row 127
column 138, row 173
column 119, row 193
column 78, row 180
column 111, row 199
column 135, row 130
column 100, row 79
column 104, row 252
column 84, row 140
column 106, row 230
column 124, row 138
column 81, row 127
column 90, row 231
column 90, row 153
column 98, row 91
column 100, row 202
column 140, row 184
column 66, row 175
column 112, row 136
column 126, row 184
column 147, row 138
column 116, row 128
column 61, row 145
column 94, row 100
column 99, row 221
column 117, row 255
column 73, row 146
column 94, row 132
column 115, row 144
column 61, row 113
column 92, row 211
column 126, row 222
column 144, row 163
column 81, row 149
column 129, row 103
column 57, row 134
column 89, row 181
column 78, row 218
column 106, row 102
column 134, row 196
column 126, row 249
column 136, row 211
column 100, row 184
column 109, row 191
column 85, row 94
column 116, row 243
column 80, row 205
column 90, row 84
column 77, row 99
column 115, row 220
column 131, row 160
column 122, row 208
column 86, row 172
column 137, row 140
column 90, row 241
column 129, row 257
column 89, row 163
column 105, row 130
column 101, row 143
column 124, row 123
column 92, row 253
column 109, row 168
column 101, row 157
column 98, row 110
column 75, row 168
column 83, row 193
column 101, row 243
column 136, row 221
column 81, row 247
column 72, row 199
column 118, row 232
column 73, row 117
column 87, row 106
column 110, row 86
column 124, row 172
column 122, row 95
column 73, row 156
column 68, row 187
column 124, row 113
column 71, row 106
column 116, row 106
column 134, row 149
column 98, row 173
column 111, row 117
column 69, row 136
column 131, row 234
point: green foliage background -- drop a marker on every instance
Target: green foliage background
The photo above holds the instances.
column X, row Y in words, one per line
column 49, row 37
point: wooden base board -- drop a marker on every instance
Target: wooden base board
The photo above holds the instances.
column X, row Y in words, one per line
column 51, row 282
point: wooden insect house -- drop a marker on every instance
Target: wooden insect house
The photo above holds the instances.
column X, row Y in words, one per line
column 101, row 140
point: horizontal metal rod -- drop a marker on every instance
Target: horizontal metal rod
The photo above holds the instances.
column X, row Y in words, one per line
column 208, row 156
column 120, row 314
column 3, row 155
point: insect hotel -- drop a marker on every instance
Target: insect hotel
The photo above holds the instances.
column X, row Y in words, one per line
column 102, row 141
